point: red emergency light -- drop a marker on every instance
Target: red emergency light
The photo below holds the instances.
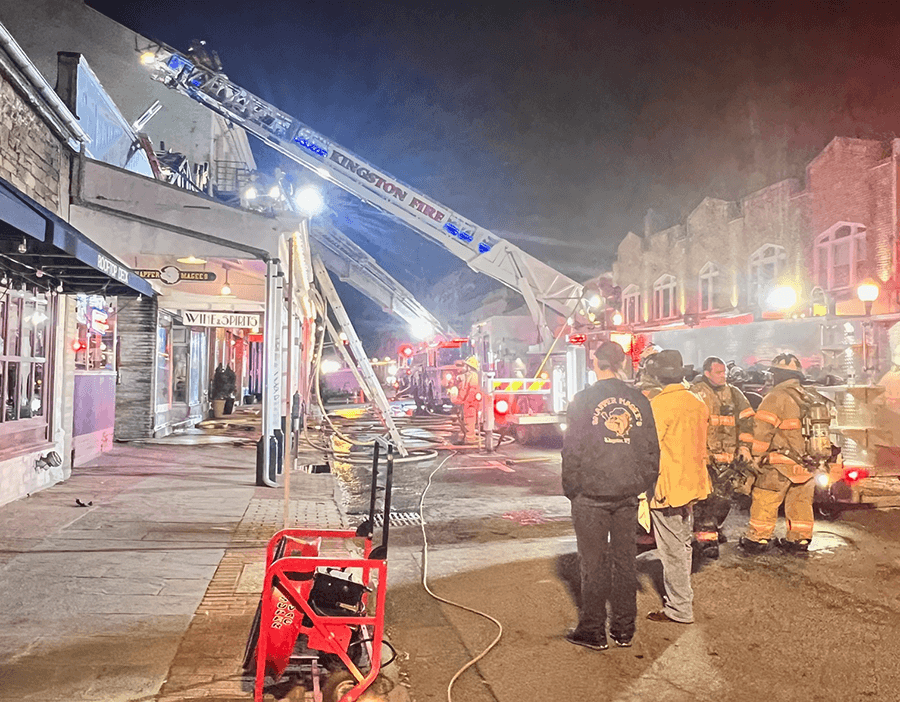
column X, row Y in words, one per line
column 78, row 345
column 577, row 339
column 405, row 350
column 854, row 475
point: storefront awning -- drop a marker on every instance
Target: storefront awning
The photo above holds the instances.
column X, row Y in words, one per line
column 38, row 246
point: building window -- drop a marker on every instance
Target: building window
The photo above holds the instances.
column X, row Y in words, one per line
column 631, row 305
column 766, row 264
column 24, row 369
column 664, row 298
column 164, row 363
column 709, row 287
column 95, row 324
column 840, row 257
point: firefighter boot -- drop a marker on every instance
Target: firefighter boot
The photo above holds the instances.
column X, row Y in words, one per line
column 796, row 548
column 755, row 548
column 706, row 544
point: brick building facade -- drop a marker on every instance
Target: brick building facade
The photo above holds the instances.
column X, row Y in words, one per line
column 822, row 239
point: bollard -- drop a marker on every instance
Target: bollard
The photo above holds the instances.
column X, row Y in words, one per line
column 487, row 411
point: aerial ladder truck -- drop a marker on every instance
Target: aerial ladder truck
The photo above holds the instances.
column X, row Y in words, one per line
column 542, row 287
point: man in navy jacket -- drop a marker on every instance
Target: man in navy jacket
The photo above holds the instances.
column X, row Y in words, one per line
column 610, row 456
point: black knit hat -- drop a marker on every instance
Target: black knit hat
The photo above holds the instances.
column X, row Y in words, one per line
column 609, row 355
column 668, row 366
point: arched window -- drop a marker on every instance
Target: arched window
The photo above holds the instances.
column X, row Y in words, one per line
column 664, row 298
column 631, row 305
column 840, row 256
column 709, row 287
column 766, row 264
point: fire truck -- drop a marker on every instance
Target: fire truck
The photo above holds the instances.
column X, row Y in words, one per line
column 430, row 371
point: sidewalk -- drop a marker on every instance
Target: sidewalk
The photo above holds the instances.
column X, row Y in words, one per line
column 148, row 593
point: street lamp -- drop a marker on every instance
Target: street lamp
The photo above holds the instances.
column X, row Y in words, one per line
column 867, row 292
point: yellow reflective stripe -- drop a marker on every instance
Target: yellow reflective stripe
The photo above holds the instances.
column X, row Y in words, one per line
column 746, row 437
column 759, row 446
column 515, row 385
column 790, row 424
column 780, row 459
column 706, row 536
column 746, row 413
column 768, row 417
column 800, row 525
column 723, row 457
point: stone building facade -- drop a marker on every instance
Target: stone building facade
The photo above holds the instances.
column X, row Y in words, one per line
column 35, row 160
column 820, row 238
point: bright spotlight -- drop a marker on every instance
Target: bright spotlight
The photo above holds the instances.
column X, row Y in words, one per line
column 617, row 318
column 274, row 191
column 147, row 58
column 595, row 300
column 330, row 366
column 309, row 201
column 421, row 329
column 783, row 298
column 250, row 193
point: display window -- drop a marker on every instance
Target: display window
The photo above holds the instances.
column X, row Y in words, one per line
column 164, row 363
column 95, row 342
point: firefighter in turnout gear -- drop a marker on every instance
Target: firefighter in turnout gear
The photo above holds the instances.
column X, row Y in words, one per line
column 790, row 438
column 728, row 443
column 467, row 395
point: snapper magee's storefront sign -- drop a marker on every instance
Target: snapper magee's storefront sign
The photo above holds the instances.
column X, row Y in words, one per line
column 170, row 275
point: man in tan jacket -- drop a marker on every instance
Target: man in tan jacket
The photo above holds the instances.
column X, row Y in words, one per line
column 682, row 420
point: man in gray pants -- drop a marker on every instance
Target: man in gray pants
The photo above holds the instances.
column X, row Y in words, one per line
column 682, row 420
column 610, row 456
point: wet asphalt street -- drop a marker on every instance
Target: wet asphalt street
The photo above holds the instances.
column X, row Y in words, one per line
column 774, row 627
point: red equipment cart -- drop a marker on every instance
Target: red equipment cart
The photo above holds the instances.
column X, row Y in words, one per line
column 317, row 611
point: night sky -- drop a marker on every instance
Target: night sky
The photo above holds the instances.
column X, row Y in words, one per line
column 555, row 124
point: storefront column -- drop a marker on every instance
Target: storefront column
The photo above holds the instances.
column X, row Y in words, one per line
column 268, row 450
column 136, row 391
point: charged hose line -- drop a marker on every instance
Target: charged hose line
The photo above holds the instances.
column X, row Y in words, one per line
column 446, row 601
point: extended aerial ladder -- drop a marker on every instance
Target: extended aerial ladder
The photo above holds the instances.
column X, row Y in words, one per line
column 357, row 268
column 541, row 285
column 360, row 366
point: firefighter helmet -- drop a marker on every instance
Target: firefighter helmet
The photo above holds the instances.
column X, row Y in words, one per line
column 472, row 362
column 787, row 362
column 650, row 350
